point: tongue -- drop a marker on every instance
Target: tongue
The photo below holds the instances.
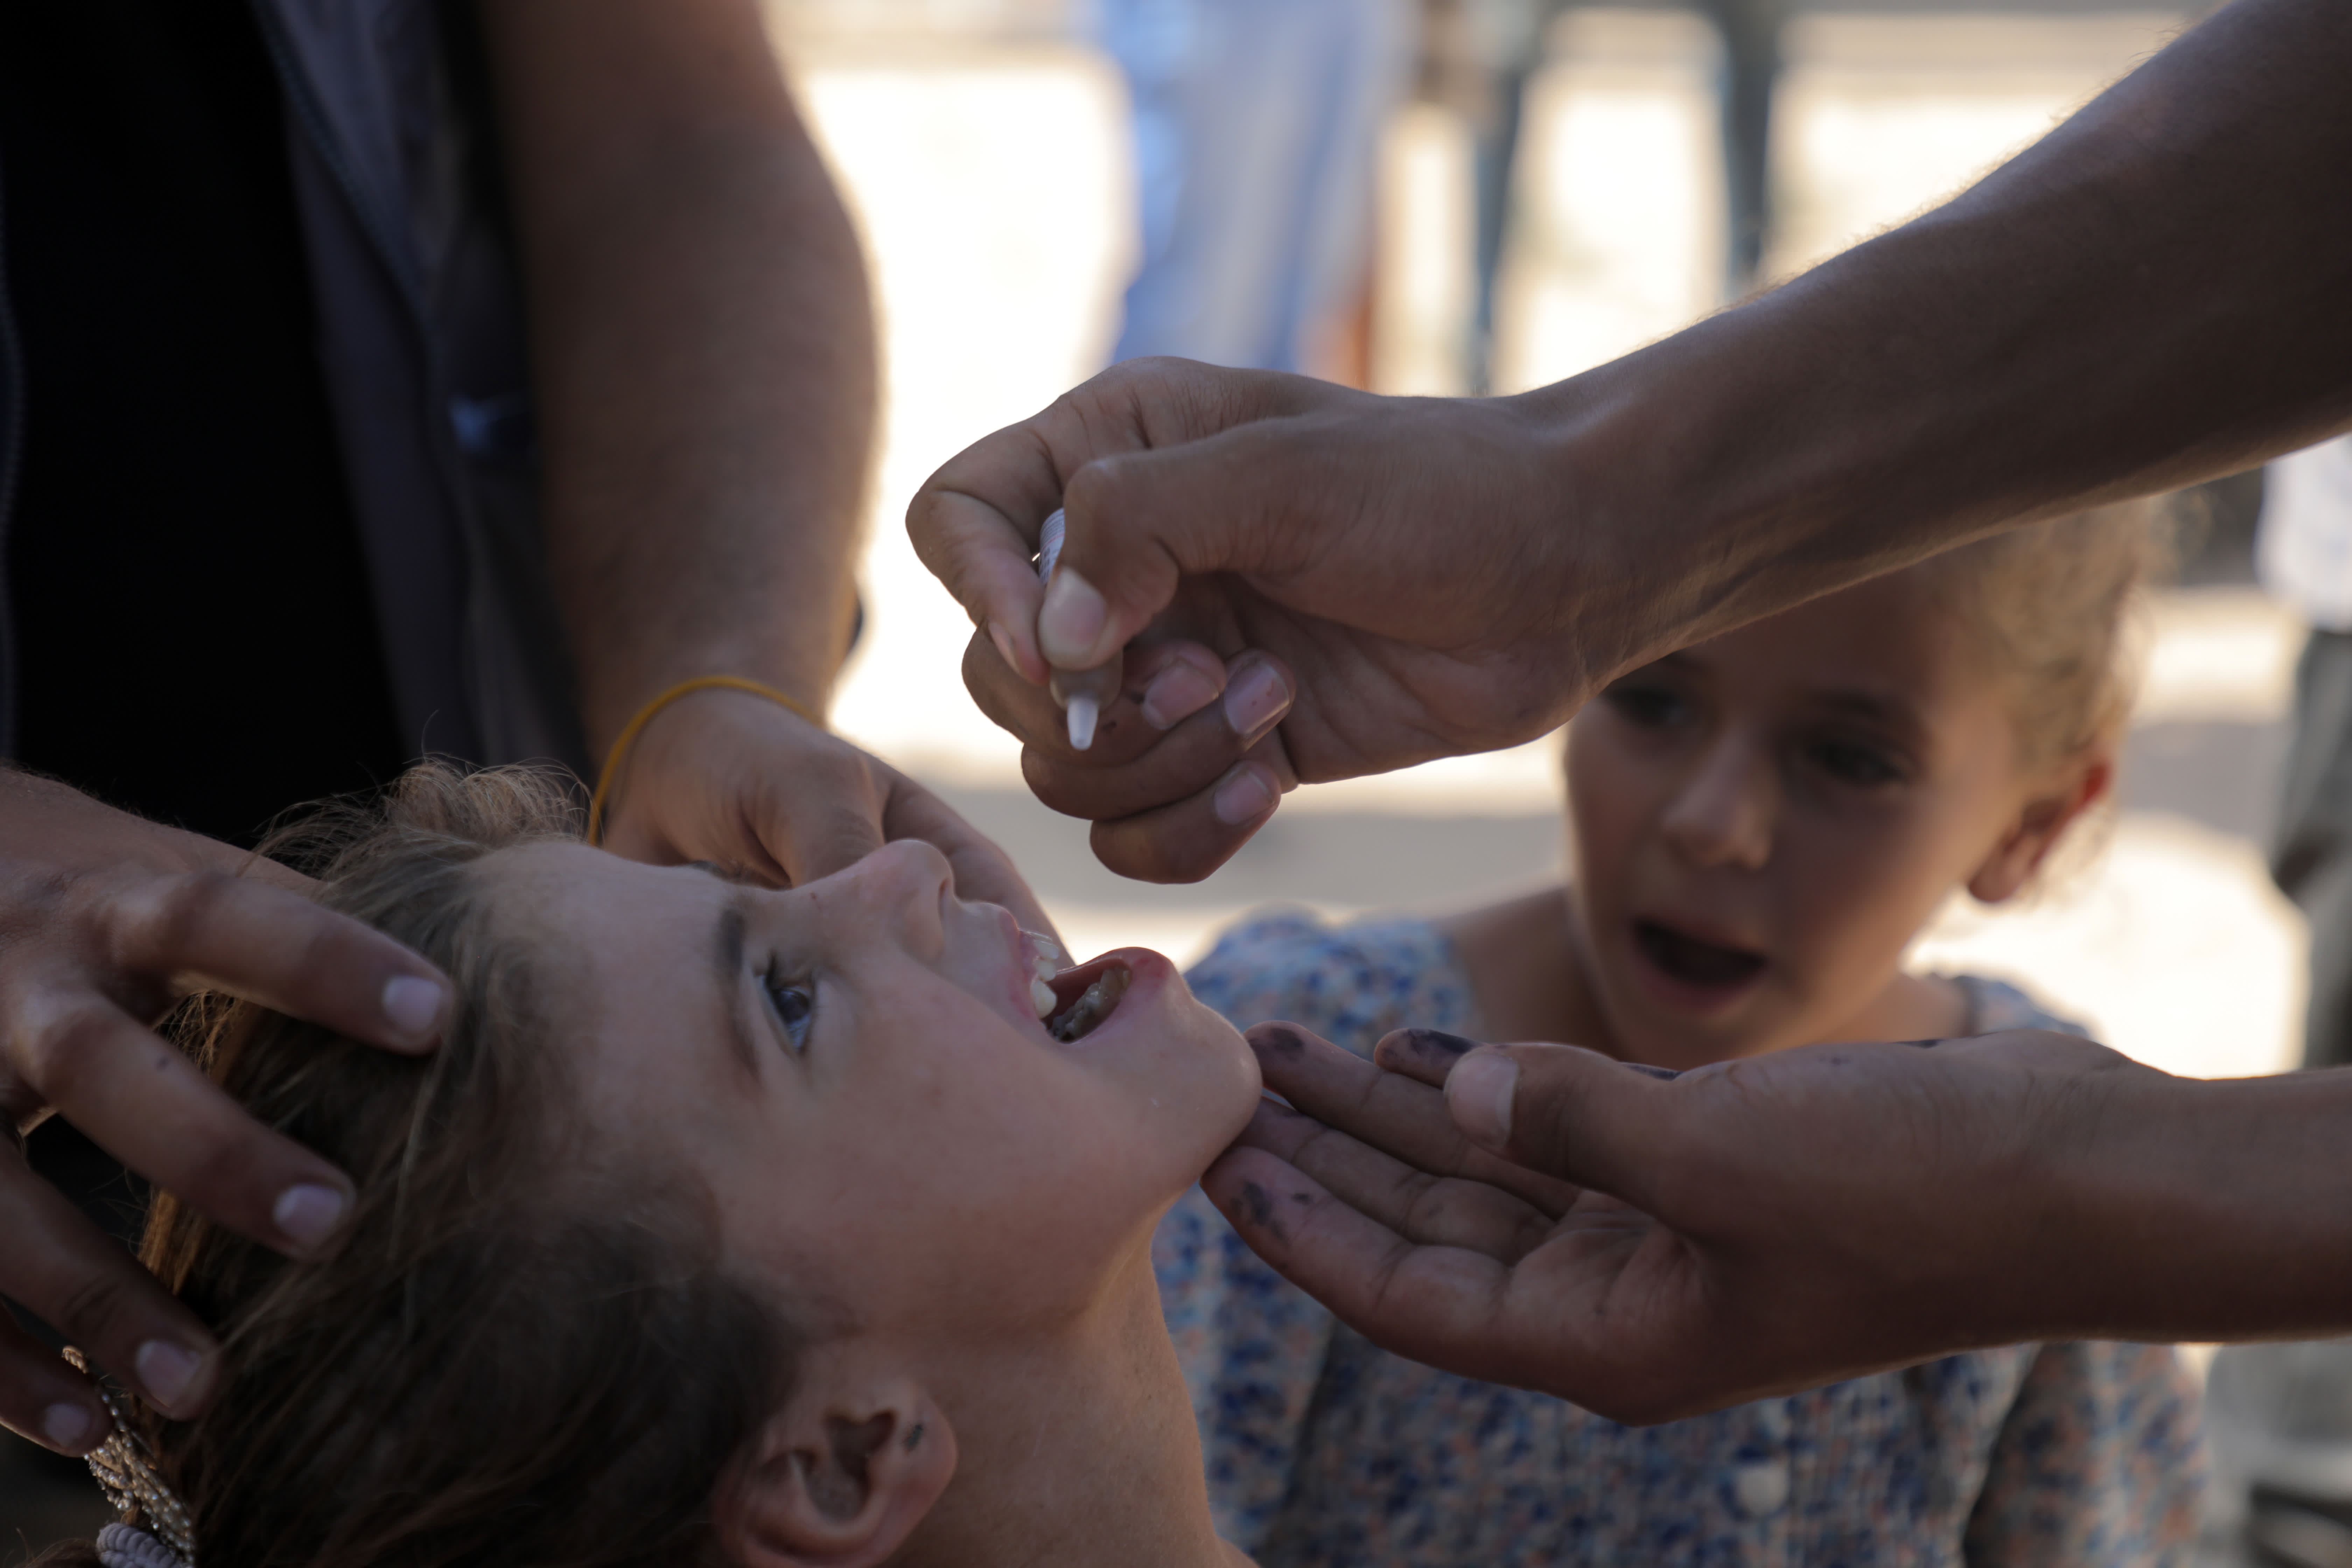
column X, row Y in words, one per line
column 1093, row 1005
column 1698, row 962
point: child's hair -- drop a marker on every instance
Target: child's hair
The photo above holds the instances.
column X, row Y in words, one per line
column 513, row 1356
column 2051, row 603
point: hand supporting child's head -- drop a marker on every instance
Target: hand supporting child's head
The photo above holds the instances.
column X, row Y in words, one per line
column 1763, row 823
column 709, row 1226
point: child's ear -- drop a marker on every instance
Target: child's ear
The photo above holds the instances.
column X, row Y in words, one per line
column 2043, row 821
column 838, row 1478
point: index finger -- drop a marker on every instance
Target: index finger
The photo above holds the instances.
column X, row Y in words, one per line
column 1391, row 1113
column 974, row 524
column 271, row 945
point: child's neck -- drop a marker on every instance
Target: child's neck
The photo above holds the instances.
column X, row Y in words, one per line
column 1077, row 1451
column 1526, row 965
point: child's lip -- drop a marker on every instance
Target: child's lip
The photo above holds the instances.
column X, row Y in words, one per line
column 1147, row 972
column 1690, row 971
column 1698, row 927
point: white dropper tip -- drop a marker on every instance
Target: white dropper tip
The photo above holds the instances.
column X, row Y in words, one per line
column 1082, row 715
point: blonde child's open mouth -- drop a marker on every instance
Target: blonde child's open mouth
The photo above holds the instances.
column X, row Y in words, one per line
column 1687, row 960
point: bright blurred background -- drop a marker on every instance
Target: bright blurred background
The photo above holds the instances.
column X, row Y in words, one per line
column 988, row 152
column 986, row 147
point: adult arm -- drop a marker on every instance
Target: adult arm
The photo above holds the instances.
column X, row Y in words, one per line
column 2159, row 291
column 105, row 921
column 1652, row 1248
column 704, row 365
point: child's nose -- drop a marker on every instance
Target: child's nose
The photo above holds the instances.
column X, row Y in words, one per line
column 907, row 880
column 1723, row 813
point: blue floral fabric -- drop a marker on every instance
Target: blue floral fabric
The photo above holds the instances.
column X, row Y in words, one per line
column 1322, row 1450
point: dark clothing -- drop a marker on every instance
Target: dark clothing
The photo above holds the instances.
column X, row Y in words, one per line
column 194, row 637
column 267, row 391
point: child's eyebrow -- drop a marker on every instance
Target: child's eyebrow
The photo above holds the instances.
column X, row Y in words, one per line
column 1893, row 712
column 727, row 960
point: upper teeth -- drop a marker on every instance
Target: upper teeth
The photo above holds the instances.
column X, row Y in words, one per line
column 1041, row 996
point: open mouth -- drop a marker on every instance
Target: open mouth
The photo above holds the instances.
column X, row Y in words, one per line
column 1083, row 997
column 1693, row 962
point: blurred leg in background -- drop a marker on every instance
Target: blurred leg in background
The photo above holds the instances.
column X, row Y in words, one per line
column 1257, row 130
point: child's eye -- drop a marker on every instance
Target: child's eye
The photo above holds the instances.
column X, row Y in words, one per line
column 793, row 1001
column 1853, row 762
column 1651, row 707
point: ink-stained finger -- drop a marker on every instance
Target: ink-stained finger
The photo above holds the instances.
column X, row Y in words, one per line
column 1424, row 1056
column 1399, row 1115
column 1430, row 1210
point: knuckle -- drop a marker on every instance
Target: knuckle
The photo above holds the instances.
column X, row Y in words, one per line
column 58, row 1042
column 98, row 1310
column 157, row 921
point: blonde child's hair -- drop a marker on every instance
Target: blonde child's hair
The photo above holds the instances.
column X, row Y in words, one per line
column 2052, row 606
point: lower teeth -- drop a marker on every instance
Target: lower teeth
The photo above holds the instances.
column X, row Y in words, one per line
column 1091, row 1008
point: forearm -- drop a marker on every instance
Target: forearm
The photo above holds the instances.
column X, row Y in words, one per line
column 2159, row 292
column 704, row 347
column 2183, row 1209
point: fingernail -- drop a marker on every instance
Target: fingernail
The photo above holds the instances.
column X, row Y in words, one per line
column 1256, row 698
column 166, row 1372
column 1242, row 797
column 67, row 1427
column 1438, row 1043
column 307, row 1214
column 412, row 1006
column 1478, row 1091
column 1070, row 621
column 1175, row 694
column 1003, row 641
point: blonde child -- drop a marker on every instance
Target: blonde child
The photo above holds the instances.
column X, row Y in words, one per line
column 1760, row 825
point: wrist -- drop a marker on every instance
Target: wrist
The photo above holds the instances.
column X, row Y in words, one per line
column 618, row 695
column 2203, row 1209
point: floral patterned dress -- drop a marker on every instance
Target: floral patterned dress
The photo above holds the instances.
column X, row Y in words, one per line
column 1323, row 1450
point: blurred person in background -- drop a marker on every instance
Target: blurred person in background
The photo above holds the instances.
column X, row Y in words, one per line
column 374, row 380
column 1257, row 128
column 2304, row 555
column 2283, row 1413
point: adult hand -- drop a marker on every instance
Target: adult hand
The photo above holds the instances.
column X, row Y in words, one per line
column 732, row 778
column 1449, row 575
column 105, row 921
column 1651, row 1249
column 1386, row 578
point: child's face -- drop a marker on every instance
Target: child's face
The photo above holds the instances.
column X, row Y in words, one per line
column 857, row 1069
column 1763, row 822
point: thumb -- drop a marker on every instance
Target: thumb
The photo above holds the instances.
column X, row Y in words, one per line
column 1244, row 501
column 1564, row 1111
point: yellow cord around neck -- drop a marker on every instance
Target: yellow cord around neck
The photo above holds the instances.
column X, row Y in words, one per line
column 644, row 716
